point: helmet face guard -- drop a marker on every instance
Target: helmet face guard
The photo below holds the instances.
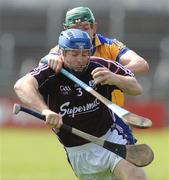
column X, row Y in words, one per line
column 78, row 15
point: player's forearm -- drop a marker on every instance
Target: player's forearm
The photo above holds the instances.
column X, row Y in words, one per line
column 128, row 84
column 26, row 90
column 139, row 66
column 134, row 62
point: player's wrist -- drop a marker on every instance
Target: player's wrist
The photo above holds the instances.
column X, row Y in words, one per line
column 45, row 110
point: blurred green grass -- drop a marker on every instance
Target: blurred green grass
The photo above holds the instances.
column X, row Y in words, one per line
column 30, row 154
column 158, row 140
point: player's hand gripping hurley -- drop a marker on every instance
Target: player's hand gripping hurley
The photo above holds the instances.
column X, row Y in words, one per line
column 128, row 117
column 140, row 155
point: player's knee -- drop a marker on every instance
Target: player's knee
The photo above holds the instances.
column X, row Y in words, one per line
column 136, row 173
column 126, row 171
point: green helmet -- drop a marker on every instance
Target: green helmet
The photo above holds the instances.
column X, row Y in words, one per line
column 78, row 15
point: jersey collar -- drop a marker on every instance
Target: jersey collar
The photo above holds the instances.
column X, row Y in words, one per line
column 97, row 41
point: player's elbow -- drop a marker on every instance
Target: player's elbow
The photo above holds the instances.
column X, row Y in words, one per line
column 137, row 91
column 134, row 92
column 25, row 84
column 134, row 88
column 145, row 66
column 18, row 86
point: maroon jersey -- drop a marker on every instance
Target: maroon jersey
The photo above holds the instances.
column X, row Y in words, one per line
column 78, row 108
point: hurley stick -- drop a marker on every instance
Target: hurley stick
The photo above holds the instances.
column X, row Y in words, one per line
column 140, row 155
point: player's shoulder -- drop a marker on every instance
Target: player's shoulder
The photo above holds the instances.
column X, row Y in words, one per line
column 98, row 61
column 110, row 41
column 103, row 39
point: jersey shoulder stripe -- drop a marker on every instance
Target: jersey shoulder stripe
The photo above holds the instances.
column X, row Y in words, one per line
column 103, row 40
column 110, row 63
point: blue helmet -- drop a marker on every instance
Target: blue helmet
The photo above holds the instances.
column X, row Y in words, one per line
column 74, row 39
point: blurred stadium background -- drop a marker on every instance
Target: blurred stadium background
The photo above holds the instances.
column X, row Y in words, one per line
column 29, row 29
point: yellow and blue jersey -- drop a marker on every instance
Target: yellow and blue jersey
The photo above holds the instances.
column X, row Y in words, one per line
column 108, row 48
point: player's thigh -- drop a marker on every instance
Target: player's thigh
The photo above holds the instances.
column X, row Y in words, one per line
column 127, row 171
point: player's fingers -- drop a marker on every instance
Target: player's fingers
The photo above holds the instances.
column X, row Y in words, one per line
column 100, row 80
column 59, row 123
column 59, row 65
column 49, row 123
column 98, row 69
column 50, row 63
column 99, row 72
column 54, row 64
column 54, row 122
